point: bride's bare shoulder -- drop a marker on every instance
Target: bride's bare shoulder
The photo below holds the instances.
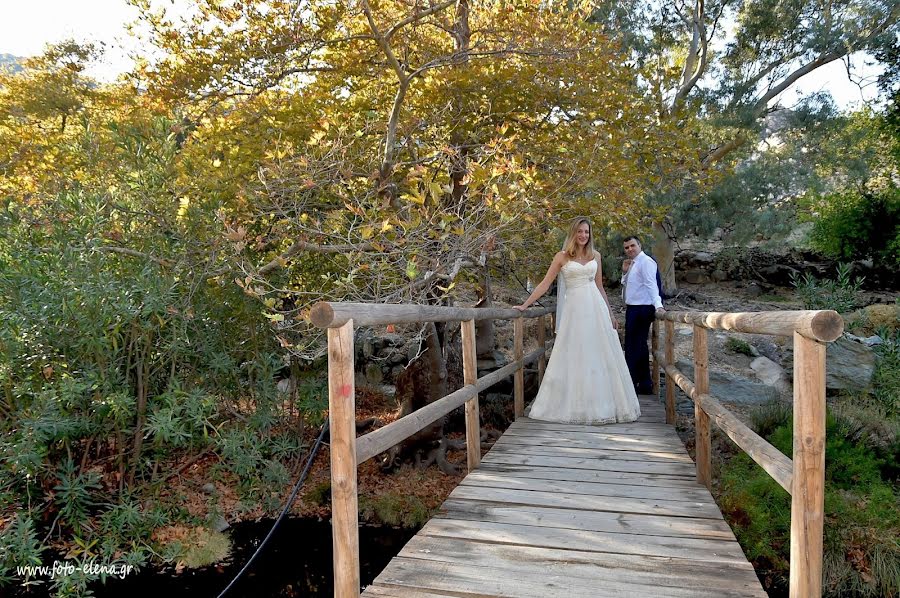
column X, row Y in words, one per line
column 561, row 257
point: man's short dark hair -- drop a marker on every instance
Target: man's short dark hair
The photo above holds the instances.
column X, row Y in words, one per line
column 630, row 237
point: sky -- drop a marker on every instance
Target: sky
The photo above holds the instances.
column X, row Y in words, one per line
column 28, row 25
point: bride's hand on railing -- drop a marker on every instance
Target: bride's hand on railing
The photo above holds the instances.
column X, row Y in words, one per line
column 520, row 307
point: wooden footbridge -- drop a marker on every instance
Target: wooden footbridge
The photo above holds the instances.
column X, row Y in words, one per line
column 569, row 510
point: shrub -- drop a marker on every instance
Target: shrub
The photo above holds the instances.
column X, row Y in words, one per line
column 854, row 225
column 840, row 294
column 862, row 517
column 737, row 345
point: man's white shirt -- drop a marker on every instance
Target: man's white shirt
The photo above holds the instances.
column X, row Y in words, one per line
column 640, row 282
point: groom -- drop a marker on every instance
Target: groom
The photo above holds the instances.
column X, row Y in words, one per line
column 642, row 301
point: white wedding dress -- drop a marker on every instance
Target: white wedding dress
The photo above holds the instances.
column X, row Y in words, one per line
column 587, row 380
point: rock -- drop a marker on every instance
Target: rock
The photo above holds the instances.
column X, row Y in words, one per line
column 719, row 275
column 208, row 488
column 703, row 258
column 685, row 331
column 695, row 277
column 220, row 524
column 374, row 375
column 754, row 290
column 496, row 361
column 779, row 274
column 731, row 388
column 869, row 341
column 849, row 365
column 769, row 372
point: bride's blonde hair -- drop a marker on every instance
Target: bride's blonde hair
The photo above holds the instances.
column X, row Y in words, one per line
column 570, row 246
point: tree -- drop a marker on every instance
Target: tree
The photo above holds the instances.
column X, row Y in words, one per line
column 721, row 86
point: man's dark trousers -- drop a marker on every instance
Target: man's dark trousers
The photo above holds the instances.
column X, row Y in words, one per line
column 638, row 319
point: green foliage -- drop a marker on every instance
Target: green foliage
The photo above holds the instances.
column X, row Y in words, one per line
column 853, row 224
column 862, row 518
column 394, row 509
column 75, row 496
column 19, row 547
column 886, row 378
column 840, row 294
column 320, row 494
column 737, row 345
column 203, row 547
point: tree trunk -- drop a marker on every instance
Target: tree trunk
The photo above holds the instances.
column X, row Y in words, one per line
column 484, row 329
column 663, row 249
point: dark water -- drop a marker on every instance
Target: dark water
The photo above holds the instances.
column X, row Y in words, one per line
column 297, row 561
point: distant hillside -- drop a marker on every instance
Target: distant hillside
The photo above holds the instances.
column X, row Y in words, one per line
column 11, row 62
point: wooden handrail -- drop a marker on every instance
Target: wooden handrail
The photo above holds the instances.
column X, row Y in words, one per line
column 804, row 476
column 767, row 456
column 347, row 451
column 820, row 325
column 378, row 441
column 327, row 314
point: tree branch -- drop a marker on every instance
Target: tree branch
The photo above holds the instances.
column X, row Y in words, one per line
column 299, row 246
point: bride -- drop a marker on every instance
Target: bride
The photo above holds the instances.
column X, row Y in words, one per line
column 587, row 379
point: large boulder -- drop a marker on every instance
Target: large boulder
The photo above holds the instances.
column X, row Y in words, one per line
column 849, row 366
column 731, row 388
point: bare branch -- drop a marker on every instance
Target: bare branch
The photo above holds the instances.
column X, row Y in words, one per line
column 299, row 246
column 417, row 16
column 134, row 253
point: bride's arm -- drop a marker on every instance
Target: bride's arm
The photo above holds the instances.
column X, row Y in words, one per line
column 555, row 265
column 599, row 281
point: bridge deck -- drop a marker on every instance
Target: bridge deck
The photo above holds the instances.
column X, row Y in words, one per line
column 576, row 511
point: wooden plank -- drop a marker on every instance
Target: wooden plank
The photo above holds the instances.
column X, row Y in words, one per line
column 500, row 578
column 596, row 453
column 586, row 502
column 674, row 469
column 701, row 549
column 344, row 500
column 380, row 591
column 701, row 419
column 586, row 475
column 670, row 360
column 490, row 479
column 519, row 377
column 678, row 576
column 613, row 443
column 542, row 343
column 654, row 347
column 597, row 438
column 808, row 491
column 597, row 521
column 642, row 429
column 470, row 376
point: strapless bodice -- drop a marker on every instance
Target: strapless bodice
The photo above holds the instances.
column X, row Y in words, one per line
column 579, row 275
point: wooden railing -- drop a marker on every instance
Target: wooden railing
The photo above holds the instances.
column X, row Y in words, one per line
column 348, row 451
column 804, row 476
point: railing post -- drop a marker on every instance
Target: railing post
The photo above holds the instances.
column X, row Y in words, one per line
column 519, row 376
column 542, row 344
column 808, row 487
column 342, row 427
column 654, row 347
column 701, row 419
column 670, row 360
column 470, row 376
